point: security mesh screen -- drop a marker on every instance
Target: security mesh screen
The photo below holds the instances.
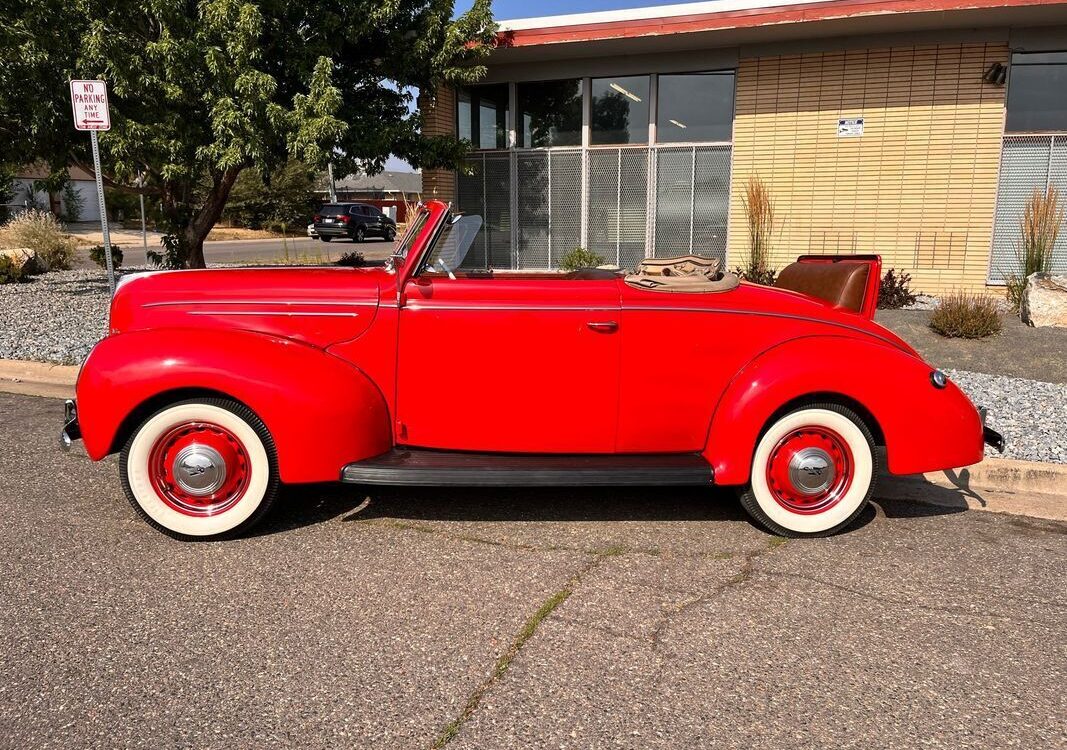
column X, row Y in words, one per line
column 674, row 202
column 470, row 198
column 566, row 212
column 711, row 201
column 603, row 227
column 1028, row 163
column 483, row 188
column 618, row 203
column 534, row 208
column 692, row 201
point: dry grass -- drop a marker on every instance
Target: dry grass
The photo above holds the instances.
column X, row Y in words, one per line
column 41, row 232
column 966, row 316
column 220, row 234
column 1043, row 217
column 759, row 211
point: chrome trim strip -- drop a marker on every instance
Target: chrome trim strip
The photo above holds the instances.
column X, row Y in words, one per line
column 281, row 313
column 510, row 308
column 720, row 311
column 340, row 303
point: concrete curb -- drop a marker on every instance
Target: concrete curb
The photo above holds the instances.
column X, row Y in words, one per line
column 1000, row 485
column 37, row 378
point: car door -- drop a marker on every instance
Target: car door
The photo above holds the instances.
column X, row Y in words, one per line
column 508, row 362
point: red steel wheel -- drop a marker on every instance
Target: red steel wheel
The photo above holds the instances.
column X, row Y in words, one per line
column 201, row 469
column 809, row 470
column 813, row 471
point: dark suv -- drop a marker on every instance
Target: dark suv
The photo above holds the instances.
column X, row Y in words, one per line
column 356, row 221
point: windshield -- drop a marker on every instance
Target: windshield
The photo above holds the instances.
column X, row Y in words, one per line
column 404, row 246
column 455, row 239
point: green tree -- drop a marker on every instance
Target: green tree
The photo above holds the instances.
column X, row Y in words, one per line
column 286, row 196
column 201, row 91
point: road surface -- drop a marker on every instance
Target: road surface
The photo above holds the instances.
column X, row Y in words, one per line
column 495, row 618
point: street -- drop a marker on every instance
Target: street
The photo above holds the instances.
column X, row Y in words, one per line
column 415, row 618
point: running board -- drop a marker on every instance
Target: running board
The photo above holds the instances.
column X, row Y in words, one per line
column 429, row 468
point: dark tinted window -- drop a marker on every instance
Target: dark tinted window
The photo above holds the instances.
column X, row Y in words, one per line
column 482, row 115
column 331, row 209
column 695, row 107
column 356, row 210
column 1037, row 92
column 620, row 110
column 550, row 113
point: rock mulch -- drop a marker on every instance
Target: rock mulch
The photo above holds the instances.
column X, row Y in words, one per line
column 1030, row 414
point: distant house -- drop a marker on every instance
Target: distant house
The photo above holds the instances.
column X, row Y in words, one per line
column 382, row 186
column 27, row 196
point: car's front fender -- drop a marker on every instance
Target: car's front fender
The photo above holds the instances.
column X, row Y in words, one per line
column 925, row 428
column 321, row 411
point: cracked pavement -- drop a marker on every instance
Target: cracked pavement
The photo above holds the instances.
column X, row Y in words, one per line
column 566, row 618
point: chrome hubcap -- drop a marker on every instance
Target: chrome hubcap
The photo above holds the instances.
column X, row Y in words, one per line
column 199, row 470
column 811, row 471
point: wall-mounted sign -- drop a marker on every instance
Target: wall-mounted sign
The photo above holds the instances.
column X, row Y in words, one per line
column 850, row 128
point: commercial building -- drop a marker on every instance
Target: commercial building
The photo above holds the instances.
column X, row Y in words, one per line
column 914, row 129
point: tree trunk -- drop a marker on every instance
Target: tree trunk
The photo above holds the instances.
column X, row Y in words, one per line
column 204, row 219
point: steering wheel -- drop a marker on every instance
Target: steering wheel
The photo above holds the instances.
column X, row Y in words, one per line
column 445, row 268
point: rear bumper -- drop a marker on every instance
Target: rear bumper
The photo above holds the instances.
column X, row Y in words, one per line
column 990, row 436
column 71, row 429
column 329, row 230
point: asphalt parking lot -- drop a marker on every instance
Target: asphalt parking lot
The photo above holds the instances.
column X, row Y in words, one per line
column 495, row 619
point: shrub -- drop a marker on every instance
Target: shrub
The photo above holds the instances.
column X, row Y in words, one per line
column 353, row 259
column 579, row 257
column 42, row 233
column 966, row 316
column 1040, row 225
column 894, row 291
column 96, row 255
column 175, row 254
column 73, row 203
column 11, row 271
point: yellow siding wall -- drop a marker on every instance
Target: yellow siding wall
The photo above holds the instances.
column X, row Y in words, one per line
column 918, row 187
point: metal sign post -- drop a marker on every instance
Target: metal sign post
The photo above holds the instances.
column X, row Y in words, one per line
column 88, row 101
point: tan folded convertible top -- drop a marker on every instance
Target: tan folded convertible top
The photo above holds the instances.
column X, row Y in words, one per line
column 686, row 273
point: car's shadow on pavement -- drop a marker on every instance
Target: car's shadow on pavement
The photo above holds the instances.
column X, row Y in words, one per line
column 307, row 505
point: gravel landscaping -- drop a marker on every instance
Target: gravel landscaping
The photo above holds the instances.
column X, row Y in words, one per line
column 58, row 318
column 1030, row 414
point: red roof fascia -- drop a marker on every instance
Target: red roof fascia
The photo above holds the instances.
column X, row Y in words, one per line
column 744, row 18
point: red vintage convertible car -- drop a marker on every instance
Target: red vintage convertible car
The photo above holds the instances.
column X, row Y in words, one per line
column 217, row 386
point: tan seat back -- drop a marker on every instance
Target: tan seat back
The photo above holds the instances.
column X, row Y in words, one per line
column 840, row 284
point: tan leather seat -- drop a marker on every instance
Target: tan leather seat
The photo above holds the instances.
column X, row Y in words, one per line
column 840, row 284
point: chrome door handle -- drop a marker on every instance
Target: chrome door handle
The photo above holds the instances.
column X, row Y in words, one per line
column 603, row 326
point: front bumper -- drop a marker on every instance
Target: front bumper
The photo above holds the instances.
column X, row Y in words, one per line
column 989, row 435
column 71, row 429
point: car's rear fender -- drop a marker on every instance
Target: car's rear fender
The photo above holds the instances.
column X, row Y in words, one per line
column 321, row 411
column 924, row 428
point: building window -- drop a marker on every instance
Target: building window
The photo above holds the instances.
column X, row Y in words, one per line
column 1036, row 102
column 482, row 115
column 620, row 110
column 695, row 107
column 550, row 113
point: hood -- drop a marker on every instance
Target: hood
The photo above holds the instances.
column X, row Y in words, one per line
column 319, row 306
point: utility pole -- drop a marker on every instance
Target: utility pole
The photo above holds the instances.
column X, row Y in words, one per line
column 333, row 187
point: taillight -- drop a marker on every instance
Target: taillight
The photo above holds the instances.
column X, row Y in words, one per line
column 316, row 218
column 344, row 219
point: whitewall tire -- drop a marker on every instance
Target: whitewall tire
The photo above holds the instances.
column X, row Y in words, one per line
column 201, row 469
column 813, row 471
